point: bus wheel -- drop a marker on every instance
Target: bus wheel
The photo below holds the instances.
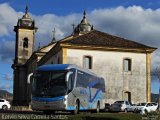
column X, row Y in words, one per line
column 48, row 112
column 76, row 111
column 98, row 107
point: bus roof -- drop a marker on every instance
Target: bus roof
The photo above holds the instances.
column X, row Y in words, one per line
column 50, row 67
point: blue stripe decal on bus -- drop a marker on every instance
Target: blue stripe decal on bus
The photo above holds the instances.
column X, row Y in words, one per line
column 93, row 83
column 92, row 99
column 70, row 108
column 48, row 99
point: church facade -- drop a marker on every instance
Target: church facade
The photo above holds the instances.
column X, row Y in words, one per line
column 124, row 64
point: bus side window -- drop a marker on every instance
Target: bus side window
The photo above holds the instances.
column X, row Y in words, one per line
column 82, row 79
column 79, row 79
column 70, row 83
column 102, row 83
column 73, row 76
column 71, row 80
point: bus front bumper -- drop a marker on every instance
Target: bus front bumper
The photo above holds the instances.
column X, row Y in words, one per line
column 56, row 105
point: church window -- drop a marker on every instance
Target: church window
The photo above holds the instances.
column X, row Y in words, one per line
column 25, row 42
column 87, row 62
column 127, row 64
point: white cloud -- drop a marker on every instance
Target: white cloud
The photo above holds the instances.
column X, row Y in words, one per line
column 8, row 18
column 8, row 77
column 47, row 23
column 133, row 23
column 7, row 48
column 6, row 87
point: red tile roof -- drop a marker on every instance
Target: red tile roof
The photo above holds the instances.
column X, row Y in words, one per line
column 101, row 39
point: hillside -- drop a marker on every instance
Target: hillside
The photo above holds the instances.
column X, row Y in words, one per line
column 6, row 95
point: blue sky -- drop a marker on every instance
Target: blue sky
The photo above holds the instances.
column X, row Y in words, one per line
column 138, row 20
column 61, row 7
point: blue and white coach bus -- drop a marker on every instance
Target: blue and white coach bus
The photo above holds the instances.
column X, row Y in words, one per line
column 59, row 87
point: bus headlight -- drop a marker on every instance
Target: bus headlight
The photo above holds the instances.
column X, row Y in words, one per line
column 66, row 96
column 65, row 99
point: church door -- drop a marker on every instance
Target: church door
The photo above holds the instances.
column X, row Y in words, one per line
column 127, row 96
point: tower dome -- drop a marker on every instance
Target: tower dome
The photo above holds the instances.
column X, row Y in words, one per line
column 84, row 26
column 26, row 21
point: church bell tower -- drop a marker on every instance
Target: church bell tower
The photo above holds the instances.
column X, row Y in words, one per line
column 24, row 46
column 25, row 31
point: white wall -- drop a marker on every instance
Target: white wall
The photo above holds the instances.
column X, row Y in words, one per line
column 109, row 65
column 54, row 58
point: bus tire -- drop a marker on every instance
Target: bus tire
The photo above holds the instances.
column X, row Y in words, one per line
column 48, row 112
column 98, row 107
column 76, row 111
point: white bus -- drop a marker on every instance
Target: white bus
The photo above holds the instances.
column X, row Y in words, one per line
column 59, row 87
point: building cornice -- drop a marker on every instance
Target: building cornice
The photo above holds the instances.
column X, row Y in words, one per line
column 100, row 48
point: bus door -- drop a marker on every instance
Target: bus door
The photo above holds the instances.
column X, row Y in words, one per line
column 83, row 94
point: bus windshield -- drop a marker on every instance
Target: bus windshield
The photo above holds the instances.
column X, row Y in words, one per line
column 49, row 84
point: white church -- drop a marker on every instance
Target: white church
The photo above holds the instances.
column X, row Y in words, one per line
column 124, row 64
